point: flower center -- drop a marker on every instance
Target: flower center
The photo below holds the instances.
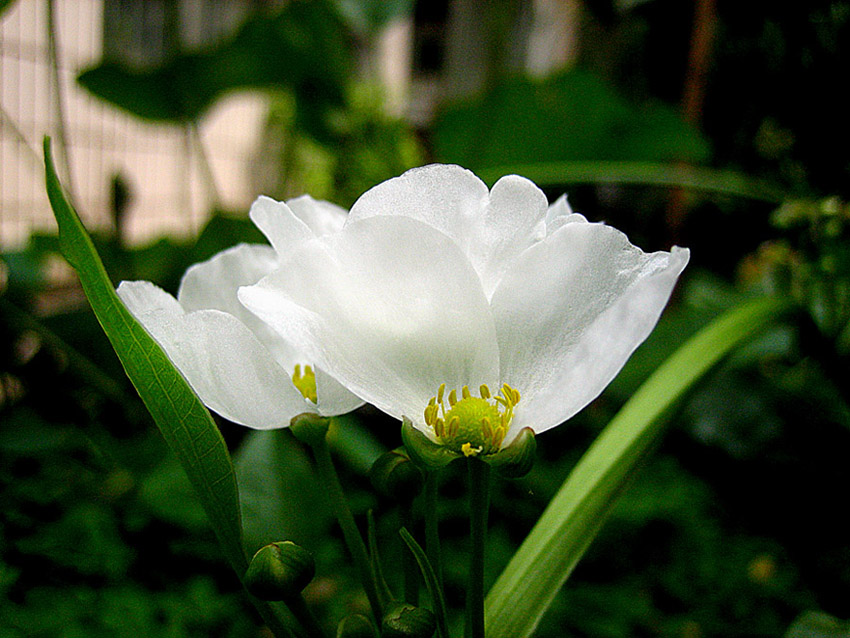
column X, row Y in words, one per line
column 306, row 383
column 472, row 425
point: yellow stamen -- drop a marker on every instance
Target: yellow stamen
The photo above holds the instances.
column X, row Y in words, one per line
column 468, row 450
column 306, row 383
column 472, row 425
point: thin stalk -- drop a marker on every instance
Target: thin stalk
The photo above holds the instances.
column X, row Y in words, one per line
column 479, row 504
column 304, row 616
column 385, row 596
column 213, row 196
column 61, row 129
column 353, row 539
column 435, row 590
column 432, row 526
column 409, row 567
column 7, row 122
column 273, row 615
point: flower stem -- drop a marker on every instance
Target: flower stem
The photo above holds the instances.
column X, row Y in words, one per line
column 353, row 539
column 432, row 523
column 304, row 616
column 479, row 503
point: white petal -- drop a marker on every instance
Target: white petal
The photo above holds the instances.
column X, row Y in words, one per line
column 390, row 307
column 279, row 224
column 225, row 364
column 323, row 218
column 213, row 284
column 444, row 196
column 513, row 220
column 558, row 213
column 333, row 397
column 570, row 313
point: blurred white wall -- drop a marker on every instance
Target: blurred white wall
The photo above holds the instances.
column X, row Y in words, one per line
column 160, row 163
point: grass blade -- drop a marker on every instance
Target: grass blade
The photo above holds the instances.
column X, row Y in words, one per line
column 431, row 583
column 642, row 174
column 529, row 583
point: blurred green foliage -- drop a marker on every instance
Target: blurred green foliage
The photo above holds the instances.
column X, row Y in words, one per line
column 569, row 116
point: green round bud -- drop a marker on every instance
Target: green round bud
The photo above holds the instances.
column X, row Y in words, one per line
column 404, row 620
column 310, row 428
column 356, row 626
column 279, row 571
column 396, row 477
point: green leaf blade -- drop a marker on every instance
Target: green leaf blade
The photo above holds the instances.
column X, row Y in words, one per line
column 183, row 420
column 529, row 583
column 659, row 174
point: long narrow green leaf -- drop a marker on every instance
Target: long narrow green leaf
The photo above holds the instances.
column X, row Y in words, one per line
column 431, row 582
column 640, row 173
column 524, row 591
column 184, row 421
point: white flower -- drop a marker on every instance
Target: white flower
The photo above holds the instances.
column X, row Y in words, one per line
column 435, row 285
column 236, row 364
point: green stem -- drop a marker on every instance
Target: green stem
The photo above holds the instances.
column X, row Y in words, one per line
column 304, row 616
column 353, row 539
column 432, row 523
column 411, row 571
column 278, row 618
column 479, row 503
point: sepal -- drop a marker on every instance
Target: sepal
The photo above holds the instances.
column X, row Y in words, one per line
column 515, row 460
column 427, row 454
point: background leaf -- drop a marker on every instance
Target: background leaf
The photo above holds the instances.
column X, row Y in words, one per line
column 183, row 420
column 568, row 117
column 279, row 492
column 523, row 592
column 301, row 48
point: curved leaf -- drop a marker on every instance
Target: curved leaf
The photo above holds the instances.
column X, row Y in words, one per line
column 641, row 174
column 182, row 418
column 523, row 592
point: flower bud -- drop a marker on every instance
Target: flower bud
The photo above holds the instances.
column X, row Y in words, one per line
column 396, row 477
column 356, row 626
column 279, row 571
column 423, row 451
column 516, row 459
column 404, row 620
column 310, row 428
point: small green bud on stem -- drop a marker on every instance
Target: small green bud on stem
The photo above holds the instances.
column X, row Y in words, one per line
column 279, row 571
column 396, row 477
column 404, row 620
column 309, row 428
